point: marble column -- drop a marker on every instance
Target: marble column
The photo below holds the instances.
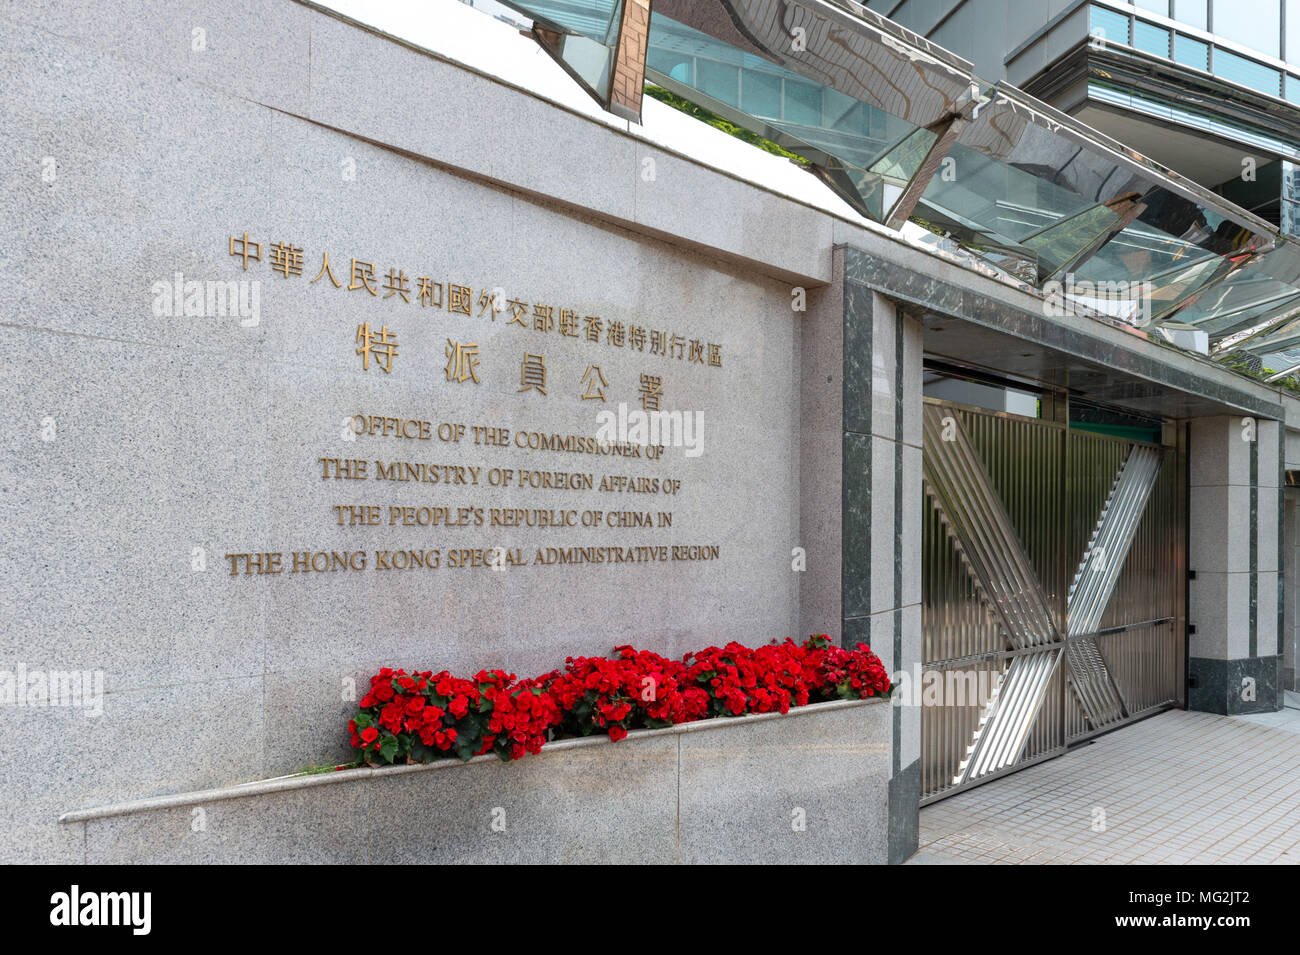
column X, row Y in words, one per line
column 1235, row 549
column 881, row 516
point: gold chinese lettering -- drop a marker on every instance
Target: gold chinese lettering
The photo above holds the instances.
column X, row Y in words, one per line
column 363, row 276
column 596, row 384
column 286, row 259
column 326, row 270
column 652, row 390
column 459, row 298
column 396, row 283
column 381, row 344
column 462, row 362
column 247, row 250
column 532, row 373
column 427, row 288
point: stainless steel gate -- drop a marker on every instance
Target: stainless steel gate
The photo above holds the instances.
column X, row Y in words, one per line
column 1052, row 590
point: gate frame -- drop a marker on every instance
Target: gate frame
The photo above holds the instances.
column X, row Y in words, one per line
column 1174, row 440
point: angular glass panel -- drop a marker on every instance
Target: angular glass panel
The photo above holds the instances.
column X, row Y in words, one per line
column 902, row 162
column 1238, row 69
column 1173, row 286
column 803, row 103
column 718, row 80
column 1261, row 327
column 1233, row 306
column 1293, row 85
column 1150, row 38
column 1142, row 252
column 1109, row 25
column 679, row 66
column 581, row 34
column 1175, row 245
column 1058, row 245
column 593, row 19
column 1028, row 191
column 760, row 94
column 793, row 111
column 1249, row 300
column 1280, row 361
column 1155, row 6
column 1000, row 198
column 1191, row 52
column 1060, row 200
column 1285, row 337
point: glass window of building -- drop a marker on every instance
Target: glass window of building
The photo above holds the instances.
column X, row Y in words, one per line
column 1292, row 47
column 719, row 80
column 1238, row 69
column 1194, row 13
column 1191, row 52
column 1256, row 24
column 1150, row 38
column 760, row 94
column 803, row 103
column 1108, row 25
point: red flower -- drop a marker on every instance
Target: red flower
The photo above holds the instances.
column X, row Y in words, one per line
column 633, row 689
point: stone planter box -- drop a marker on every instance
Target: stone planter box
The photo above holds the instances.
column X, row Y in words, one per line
column 810, row 787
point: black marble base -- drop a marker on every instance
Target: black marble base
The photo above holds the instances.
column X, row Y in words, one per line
column 905, row 813
column 1216, row 686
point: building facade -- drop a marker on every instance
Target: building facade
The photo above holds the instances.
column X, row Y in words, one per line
column 303, row 295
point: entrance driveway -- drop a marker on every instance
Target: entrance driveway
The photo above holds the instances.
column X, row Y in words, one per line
column 1177, row 788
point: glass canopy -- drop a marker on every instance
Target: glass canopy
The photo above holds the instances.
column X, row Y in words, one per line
column 904, row 132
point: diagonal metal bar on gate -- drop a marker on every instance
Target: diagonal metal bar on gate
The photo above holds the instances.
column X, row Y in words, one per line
column 986, row 542
column 982, row 532
column 1094, row 584
column 1002, row 733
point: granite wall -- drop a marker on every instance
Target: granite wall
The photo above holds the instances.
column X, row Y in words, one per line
column 1237, row 534
column 809, row 787
column 162, row 419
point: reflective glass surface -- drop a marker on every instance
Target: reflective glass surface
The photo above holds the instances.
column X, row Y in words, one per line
column 1191, row 12
column 1190, row 52
column 581, row 34
column 1109, row 25
column 1255, row 24
column 1238, row 69
column 876, row 153
column 1150, row 38
column 893, row 126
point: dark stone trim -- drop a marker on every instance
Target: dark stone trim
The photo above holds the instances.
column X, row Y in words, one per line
column 855, row 514
column 1219, row 685
column 926, row 291
column 1254, row 542
column 904, row 812
column 1281, row 538
column 899, row 662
